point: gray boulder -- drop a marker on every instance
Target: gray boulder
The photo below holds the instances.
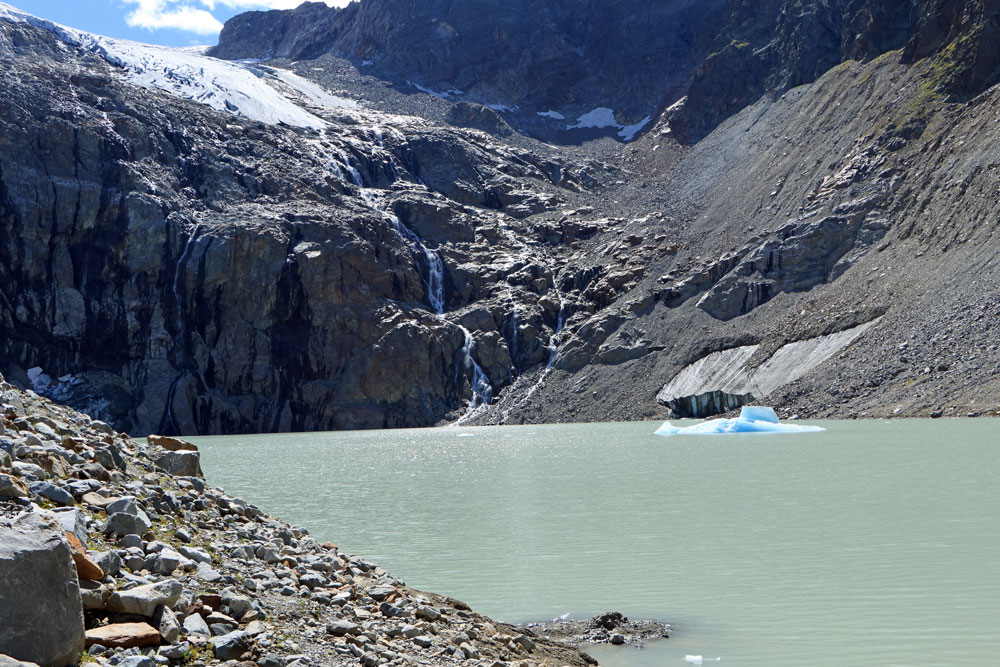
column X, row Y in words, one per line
column 73, row 521
column 109, row 561
column 196, row 625
column 232, row 645
column 166, row 622
column 41, row 617
column 12, row 487
column 182, row 463
column 126, row 524
column 56, row 494
column 143, row 600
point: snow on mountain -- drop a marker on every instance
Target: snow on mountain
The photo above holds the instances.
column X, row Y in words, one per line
column 225, row 86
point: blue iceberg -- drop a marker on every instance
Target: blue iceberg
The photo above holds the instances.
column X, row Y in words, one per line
column 752, row 419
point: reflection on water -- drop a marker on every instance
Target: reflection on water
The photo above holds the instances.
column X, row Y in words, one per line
column 870, row 543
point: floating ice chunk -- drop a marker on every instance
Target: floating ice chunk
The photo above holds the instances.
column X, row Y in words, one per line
column 693, row 659
column 752, row 419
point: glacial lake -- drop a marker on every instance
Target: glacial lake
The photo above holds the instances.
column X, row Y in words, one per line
column 872, row 543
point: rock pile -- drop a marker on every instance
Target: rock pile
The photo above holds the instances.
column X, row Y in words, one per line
column 116, row 553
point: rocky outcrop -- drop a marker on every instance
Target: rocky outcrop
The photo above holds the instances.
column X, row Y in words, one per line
column 171, row 271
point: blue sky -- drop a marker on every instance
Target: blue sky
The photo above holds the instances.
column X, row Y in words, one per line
column 169, row 22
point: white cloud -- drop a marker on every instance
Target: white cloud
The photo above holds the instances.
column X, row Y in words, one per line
column 158, row 14
column 265, row 4
column 185, row 15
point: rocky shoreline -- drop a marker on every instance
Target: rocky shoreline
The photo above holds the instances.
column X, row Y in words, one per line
column 116, row 553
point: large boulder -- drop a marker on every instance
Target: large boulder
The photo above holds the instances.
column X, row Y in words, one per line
column 41, row 617
column 171, row 444
column 143, row 600
column 181, row 464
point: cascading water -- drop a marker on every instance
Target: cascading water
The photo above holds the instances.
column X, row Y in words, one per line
column 482, row 390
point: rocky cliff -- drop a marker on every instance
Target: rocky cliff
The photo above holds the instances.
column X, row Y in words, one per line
column 361, row 253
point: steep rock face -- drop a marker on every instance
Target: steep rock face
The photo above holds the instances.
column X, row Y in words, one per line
column 173, row 269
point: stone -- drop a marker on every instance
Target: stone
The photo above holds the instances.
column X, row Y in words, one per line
column 195, row 554
column 126, row 524
column 7, row 661
column 93, row 595
column 124, row 635
column 96, row 499
column 56, row 494
column 524, row 642
column 171, row 444
column 12, row 487
column 109, row 561
column 143, row 600
column 238, row 605
column 255, row 628
column 174, row 651
column 341, row 628
column 194, row 624
column 167, row 624
column 41, row 618
column 379, row 593
column 423, row 641
column 427, row 613
column 166, row 561
column 86, row 568
column 182, row 463
column 125, row 505
column 73, row 520
column 232, row 646
column 5, row 459
column 208, row 574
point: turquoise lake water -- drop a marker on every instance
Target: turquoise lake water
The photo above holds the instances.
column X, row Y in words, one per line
column 871, row 543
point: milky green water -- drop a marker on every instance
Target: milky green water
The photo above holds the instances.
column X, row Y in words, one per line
column 872, row 543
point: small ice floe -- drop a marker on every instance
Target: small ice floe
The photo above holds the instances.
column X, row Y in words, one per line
column 561, row 618
column 465, row 435
column 697, row 659
column 752, row 419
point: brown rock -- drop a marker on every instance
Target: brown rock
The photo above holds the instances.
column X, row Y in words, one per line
column 85, row 567
column 12, row 487
column 96, row 499
column 124, row 635
column 171, row 444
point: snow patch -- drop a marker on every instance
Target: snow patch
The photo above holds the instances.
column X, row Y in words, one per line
column 600, row 117
column 629, row 131
column 603, row 117
column 314, row 92
column 446, row 95
column 552, row 114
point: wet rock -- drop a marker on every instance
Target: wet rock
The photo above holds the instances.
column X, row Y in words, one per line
column 40, row 619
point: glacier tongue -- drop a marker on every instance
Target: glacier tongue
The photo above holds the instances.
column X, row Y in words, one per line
column 220, row 84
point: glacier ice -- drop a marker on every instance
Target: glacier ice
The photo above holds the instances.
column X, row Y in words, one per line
column 223, row 85
column 752, row 419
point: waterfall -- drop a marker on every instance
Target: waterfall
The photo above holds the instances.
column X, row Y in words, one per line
column 354, row 173
column 482, row 390
column 181, row 262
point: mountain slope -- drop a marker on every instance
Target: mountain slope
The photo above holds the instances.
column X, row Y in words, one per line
column 178, row 261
